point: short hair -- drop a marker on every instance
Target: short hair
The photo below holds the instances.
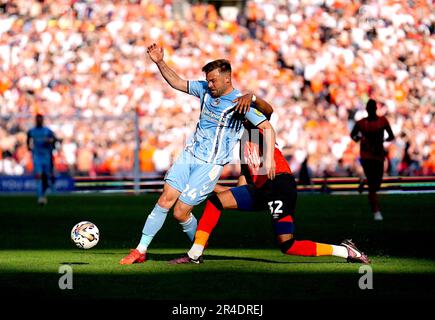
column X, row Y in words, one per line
column 222, row 64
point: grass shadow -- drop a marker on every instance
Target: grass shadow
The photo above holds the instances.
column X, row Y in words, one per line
column 171, row 256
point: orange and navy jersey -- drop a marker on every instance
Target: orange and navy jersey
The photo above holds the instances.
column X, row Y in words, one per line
column 251, row 155
column 372, row 140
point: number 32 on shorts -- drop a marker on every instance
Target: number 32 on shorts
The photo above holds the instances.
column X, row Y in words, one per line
column 275, row 208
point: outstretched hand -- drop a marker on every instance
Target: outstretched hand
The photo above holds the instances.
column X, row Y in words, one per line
column 243, row 103
column 155, row 52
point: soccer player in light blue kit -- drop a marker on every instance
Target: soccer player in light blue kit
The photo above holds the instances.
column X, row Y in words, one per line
column 197, row 170
column 41, row 141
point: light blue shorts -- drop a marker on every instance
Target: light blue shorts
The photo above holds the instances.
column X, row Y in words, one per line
column 194, row 178
column 42, row 165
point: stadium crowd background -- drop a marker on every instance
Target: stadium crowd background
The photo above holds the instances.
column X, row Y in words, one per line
column 83, row 64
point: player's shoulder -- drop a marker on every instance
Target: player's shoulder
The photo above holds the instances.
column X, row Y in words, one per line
column 197, row 87
column 362, row 120
column 383, row 119
column 199, row 83
column 47, row 129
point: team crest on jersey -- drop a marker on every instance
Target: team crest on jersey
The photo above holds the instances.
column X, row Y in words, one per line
column 216, row 102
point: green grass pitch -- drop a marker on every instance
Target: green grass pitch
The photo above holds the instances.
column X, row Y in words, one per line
column 242, row 262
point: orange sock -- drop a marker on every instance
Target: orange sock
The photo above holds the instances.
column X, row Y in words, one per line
column 207, row 223
column 201, row 237
column 323, row 249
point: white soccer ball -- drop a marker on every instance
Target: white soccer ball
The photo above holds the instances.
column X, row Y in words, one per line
column 85, row 235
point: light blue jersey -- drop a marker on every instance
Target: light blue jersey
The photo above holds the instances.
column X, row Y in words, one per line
column 214, row 137
column 41, row 140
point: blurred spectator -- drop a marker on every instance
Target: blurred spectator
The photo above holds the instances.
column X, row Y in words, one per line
column 305, row 174
column 83, row 64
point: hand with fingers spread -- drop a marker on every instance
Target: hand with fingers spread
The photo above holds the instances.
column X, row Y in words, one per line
column 243, row 103
column 155, row 52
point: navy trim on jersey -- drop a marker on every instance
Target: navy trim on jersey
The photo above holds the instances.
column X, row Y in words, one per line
column 203, row 102
column 219, row 133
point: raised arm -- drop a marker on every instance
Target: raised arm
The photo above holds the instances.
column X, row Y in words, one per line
column 156, row 54
column 243, row 104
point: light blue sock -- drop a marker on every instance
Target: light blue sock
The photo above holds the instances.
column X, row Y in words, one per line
column 39, row 192
column 153, row 224
column 189, row 227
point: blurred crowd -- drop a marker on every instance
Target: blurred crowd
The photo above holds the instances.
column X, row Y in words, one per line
column 83, row 64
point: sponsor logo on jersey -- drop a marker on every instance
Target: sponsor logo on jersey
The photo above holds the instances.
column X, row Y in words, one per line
column 212, row 116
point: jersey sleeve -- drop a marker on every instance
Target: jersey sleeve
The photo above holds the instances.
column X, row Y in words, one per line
column 197, row 88
column 255, row 117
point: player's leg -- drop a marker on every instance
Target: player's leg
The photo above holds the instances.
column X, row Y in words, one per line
column 50, row 173
column 373, row 170
column 176, row 177
column 157, row 217
column 202, row 180
column 183, row 214
column 308, row 248
column 281, row 196
column 209, row 219
column 46, row 168
column 235, row 198
column 378, row 172
column 153, row 224
column 38, row 171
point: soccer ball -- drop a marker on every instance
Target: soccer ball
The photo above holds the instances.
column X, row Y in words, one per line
column 85, row 235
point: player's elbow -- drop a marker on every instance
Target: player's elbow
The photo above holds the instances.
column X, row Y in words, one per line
column 268, row 114
column 355, row 138
column 265, row 125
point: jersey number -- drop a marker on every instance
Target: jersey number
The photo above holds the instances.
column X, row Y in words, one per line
column 275, row 208
column 192, row 193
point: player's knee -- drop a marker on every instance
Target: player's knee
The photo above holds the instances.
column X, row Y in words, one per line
column 166, row 201
column 214, row 199
column 181, row 215
column 286, row 245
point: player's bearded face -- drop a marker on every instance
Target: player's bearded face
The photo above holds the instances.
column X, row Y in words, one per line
column 218, row 92
column 217, row 83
